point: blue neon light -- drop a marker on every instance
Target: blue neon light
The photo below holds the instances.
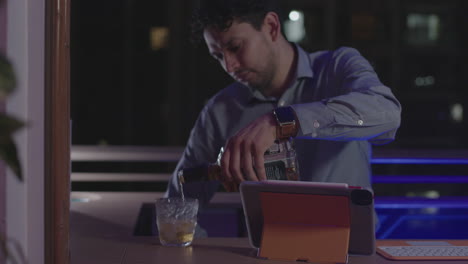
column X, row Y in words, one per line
column 401, row 219
column 419, row 206
column 418, row 161
column 419, row 179
column 421, row 203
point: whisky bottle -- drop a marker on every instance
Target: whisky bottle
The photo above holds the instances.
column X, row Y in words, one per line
column 280, row 164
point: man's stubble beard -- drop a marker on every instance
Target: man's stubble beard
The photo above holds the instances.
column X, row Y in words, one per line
column 265, row 75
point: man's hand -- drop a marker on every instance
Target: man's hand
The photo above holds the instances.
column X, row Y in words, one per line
column 243, row 157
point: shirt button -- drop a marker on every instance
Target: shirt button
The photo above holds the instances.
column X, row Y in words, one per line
column 316, row 124
column 360, row 122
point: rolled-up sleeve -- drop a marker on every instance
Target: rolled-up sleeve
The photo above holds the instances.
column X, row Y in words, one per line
column 358, row 105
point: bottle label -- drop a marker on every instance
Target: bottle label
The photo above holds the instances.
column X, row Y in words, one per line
column 275, row 170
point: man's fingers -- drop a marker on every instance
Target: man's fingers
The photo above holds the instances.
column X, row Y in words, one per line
column 247, row 165
column 235, row 162
column 246, row 149
column 259, row 161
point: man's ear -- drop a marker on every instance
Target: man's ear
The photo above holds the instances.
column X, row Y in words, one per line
column 272, row 25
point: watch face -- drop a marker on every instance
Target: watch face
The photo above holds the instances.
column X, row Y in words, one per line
column 285, row 114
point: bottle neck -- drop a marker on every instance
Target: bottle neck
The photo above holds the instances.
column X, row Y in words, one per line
column 202, row 173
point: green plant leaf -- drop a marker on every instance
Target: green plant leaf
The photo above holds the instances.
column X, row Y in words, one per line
column 7, row 77
column 8, row 152
column 9, row 125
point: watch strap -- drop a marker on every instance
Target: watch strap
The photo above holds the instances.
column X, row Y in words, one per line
column 285, row 131
column 287, row 124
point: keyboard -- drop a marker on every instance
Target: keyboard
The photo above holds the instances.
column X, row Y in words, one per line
column 424, row 252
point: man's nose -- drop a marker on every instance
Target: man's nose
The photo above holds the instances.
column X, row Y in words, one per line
column 231, row 63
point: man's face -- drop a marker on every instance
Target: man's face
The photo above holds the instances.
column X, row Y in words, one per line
column 244, row 53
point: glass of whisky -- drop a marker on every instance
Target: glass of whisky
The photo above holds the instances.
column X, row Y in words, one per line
column 176, row 218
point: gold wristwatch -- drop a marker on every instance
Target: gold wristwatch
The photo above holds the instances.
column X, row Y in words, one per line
column 287, row 124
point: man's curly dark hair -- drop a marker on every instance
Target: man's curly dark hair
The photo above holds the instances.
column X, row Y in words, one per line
column 221, row 13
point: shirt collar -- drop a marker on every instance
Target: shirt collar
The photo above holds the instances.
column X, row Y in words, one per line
column 304, row 67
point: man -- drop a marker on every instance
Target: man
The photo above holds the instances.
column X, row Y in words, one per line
column 331, row 102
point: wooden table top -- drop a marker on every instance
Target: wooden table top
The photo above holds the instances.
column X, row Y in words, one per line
column 146, row 250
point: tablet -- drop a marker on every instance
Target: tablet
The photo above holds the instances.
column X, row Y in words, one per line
column 362, row 222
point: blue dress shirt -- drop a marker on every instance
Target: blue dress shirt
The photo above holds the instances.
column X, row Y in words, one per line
column 342, row 108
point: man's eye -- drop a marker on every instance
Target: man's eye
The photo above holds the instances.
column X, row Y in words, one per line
column 234, row 48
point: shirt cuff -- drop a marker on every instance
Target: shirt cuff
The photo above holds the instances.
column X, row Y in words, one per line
column 313, row 118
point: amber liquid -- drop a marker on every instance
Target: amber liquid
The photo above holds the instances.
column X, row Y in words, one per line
column 291, row 174
column 176, row 233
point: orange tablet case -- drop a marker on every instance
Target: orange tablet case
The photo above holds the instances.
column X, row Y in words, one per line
column 329, row 201
column 305, row 227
